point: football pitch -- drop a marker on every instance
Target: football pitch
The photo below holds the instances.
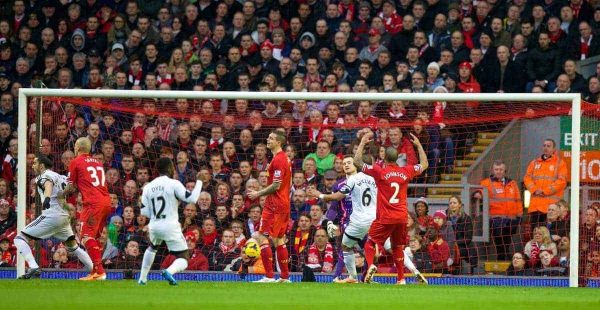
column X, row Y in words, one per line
column 126, row 294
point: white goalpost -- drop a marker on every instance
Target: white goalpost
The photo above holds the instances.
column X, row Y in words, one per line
column 576, row 112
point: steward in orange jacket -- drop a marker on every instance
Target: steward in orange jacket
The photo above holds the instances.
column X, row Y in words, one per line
column 546, row 179
column 505, row 208
column 504, row 197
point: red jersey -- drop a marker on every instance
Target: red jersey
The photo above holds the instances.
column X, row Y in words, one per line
column 87, row 173
column 392, row 184
column 280, row 170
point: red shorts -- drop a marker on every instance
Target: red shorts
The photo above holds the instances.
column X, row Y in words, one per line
column 273, row 224
column 93, row 220
column 379, row 233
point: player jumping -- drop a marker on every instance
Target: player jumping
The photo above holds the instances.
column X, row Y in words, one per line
column 159, row 204
column 392, row 214
column 276, row 213
column 54, row 221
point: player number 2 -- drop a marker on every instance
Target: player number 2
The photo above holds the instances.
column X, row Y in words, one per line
column 97, row 175
column 396, row 187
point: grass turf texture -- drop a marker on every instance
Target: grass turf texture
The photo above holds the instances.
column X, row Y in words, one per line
column 126, row 294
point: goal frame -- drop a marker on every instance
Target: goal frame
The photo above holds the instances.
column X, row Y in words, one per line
column 575, row 100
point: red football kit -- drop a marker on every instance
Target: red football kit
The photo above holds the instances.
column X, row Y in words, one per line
column 392, row 213
column 276, row 215
column 87, row 174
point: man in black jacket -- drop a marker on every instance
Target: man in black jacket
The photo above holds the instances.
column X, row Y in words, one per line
column 543, row 65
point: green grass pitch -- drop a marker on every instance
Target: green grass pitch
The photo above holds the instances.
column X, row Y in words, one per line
column 126, row 295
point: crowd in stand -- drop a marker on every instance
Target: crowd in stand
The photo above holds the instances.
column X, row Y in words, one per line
column 281, row 45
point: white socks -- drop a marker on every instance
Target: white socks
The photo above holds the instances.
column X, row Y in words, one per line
column 147, row 264
column 25, row 250
column 84, row 258
column 178, row 265
column 409, row 264
column 350, row 263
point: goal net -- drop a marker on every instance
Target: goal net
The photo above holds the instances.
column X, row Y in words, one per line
column 500, row 197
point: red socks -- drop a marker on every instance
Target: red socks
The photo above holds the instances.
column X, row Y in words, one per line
column 282, row 259
column 95, row 251
column 369, row 252
column 266, row 254
column 398, row 255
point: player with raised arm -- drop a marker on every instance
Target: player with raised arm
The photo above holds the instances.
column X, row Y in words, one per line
column 54, row 220
column 160, row 201
column 86, row 174
column 357, row 214
column 276, row 213
column 392, row 214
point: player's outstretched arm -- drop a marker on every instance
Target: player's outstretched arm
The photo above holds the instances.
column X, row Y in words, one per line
column 337, row 196
column 422, row 155
column 366, row 138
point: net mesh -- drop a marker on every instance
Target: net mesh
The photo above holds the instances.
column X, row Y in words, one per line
column 224, row 142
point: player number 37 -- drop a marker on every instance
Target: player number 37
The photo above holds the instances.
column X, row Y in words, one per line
column 97, row 175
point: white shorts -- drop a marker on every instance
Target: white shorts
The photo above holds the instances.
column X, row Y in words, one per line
column 168, row 232
column 50, row 225
column 354, row 233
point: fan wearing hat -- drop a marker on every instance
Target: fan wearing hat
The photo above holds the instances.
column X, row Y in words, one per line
column 269, row 63
column 422, row 211
column 468, row 83
column 372, row 50
column 440, row 221
column 391, row 19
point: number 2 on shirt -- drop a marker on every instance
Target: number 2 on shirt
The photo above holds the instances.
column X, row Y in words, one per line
column 97, row 175
column 396, row 187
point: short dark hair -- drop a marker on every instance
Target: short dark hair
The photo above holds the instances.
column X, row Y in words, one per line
column 42, row 159
column 551, row 141
column 391, row 154
column 163, row 165
column 279, row 136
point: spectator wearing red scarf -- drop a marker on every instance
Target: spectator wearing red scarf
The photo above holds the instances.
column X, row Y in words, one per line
column 586, row 44
column 210, row 237
column 391, row 19
column 468, row 31
column 299, row 239
column 468, row 83
column 223, row 254
column 321, row 256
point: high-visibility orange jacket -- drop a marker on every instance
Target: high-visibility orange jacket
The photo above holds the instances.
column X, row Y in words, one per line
column 504, row 195
column 550, row 177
